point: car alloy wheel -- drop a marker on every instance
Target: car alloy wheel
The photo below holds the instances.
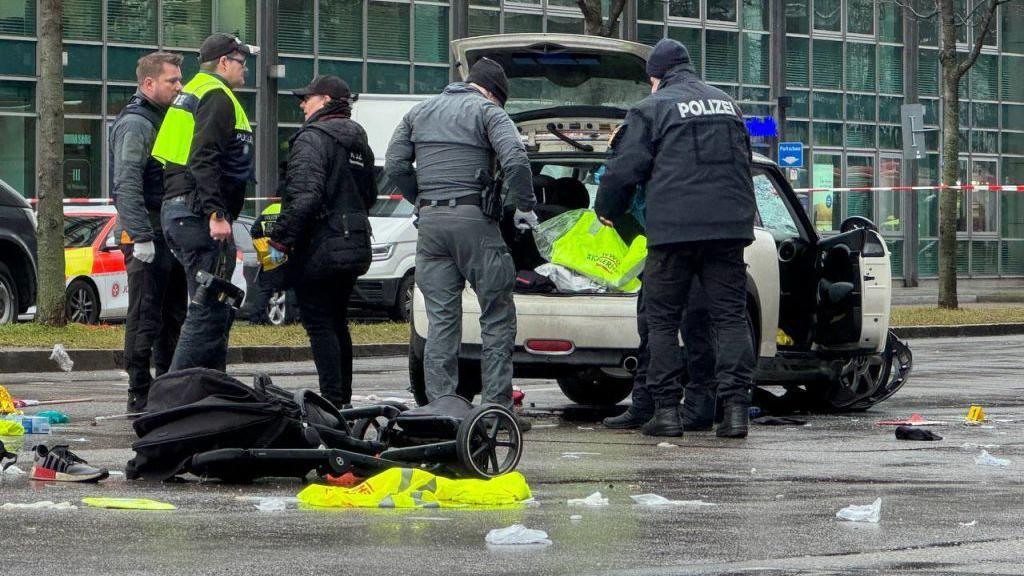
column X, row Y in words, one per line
column 6, row 304
column 277, row 308
column 82, row 303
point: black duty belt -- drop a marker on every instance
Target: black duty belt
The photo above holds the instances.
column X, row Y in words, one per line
column 470, row 200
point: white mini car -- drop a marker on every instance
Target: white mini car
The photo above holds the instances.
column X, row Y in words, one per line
column 818, row 307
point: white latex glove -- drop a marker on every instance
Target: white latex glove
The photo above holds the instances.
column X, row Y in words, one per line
column 144, row 252
column 525, row 220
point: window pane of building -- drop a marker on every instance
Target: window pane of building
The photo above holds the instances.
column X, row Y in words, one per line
column 890, row 137
column 890, row 69
column 860, row 17
column 983, row 203
column 1011, row 257
column 800, row 106
column 82, row 20
column 516, row 23
column 1012, row 28
column 1013, row 79
column 350, row 72
column 84, row 62
column 131, row 21
column 16, row 96
column 17, row 155
column 484, row 22
column 827, row 133
column 890, row 22
column 860, row 107
column 828, row 64
column 984, row 78
column 928, row 72
column 121, row 62
column 1013, row 142
column 187, row 22
column 890, row 203
column 650, row 34
column 18, row 17
column 724, row 10
column 1012, row 225
column 388, row 32
column 722, row 56
column 860, row 173
column 827, row 173
column 797, row 16
column 432, row 33
column 860, row 66
column 341, row 27
column 690, row 37
column 1013, row 117
column 238, row 17
column 298, row 73
column 684, row 8
column 756, row 14
column 494, row 3
column 82, row 98
column 117, row 98
column 985, row 258
column 797, row 62
column 429, row 79
column 19, row 58
column 387, row 79
column 755, row 58
column 860, row 135
column 565, row 25
column 653, row 10
column 985, row 141
column 295, row 26
column 889, row 109
column 82, row 158
column 828, row 15
column 827, row 105
column 288, row 110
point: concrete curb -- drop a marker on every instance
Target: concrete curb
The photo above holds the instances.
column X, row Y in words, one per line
column 39, row 360
column 12, row 361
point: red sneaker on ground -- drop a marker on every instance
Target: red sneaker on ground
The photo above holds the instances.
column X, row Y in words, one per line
column 62, row 465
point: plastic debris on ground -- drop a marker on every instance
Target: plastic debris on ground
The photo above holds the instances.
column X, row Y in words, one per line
column 269, row 503
column 658, row 500
column 128, row 504
column 42, row 505
column 54, row 416
column 968, row 524
column 11, row 428
column 60, row 356
column 914, row 420
column 29, row 424
column 866, row 513
column 986, row 459
column 594, row 500
column 13, row 471
column 575, row 518
column 7, row 403
column 578, row 455
column 971, row 446
column 918, row 434
column 414, row 488
column 666, row 445
column 515, row 535
column 584, row 427
column 975, row 415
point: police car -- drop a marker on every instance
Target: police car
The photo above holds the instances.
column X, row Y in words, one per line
column 818, row 308
column 94, row 268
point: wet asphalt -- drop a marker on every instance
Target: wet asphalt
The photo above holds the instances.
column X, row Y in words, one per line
column 776, row 494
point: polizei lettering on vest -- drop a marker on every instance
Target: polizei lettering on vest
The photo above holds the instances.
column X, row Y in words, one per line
column 705, row 108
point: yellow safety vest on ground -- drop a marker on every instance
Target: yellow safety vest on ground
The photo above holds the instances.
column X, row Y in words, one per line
column 414, row 488
column 174, row 141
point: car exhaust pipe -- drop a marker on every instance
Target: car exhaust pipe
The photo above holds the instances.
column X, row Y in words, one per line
column 630, row 363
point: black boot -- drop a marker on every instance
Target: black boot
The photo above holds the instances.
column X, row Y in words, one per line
column 697, row 411
column 631, row 419
column 735, row 421
column 664, row 423
column 137, row 399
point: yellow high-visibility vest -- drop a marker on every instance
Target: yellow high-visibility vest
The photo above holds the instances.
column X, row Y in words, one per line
column 174, row 141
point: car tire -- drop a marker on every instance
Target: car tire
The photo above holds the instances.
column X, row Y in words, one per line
column 402, row 310
column 8, row 296
column 82, row 303
column 470, row 382
column 594, row 387
column 860, row 379
column 282, row 309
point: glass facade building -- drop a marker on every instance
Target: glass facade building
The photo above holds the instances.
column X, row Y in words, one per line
column 847, row 66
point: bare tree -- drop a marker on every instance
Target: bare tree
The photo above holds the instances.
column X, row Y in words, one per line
column 954, row 67
column 594, row 22
column 50, row 163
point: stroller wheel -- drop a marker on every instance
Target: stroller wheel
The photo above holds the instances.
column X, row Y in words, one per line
column 489, row 442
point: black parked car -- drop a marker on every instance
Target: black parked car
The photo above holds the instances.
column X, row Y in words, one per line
column 17, row 254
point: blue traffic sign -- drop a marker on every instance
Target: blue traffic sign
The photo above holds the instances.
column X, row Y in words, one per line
column 791, row 154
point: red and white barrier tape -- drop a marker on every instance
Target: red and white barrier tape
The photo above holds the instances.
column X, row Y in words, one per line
column 981, row 187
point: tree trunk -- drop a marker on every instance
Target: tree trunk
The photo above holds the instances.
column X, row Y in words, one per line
column 950, row 156
column 50, row 165
column 594, row 23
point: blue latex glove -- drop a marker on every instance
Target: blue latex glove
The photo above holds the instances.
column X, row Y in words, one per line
column 276, row 256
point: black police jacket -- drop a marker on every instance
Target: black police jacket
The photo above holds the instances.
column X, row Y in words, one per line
column 329, row 188
column 688, row 146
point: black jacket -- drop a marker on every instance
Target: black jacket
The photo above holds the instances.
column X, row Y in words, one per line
column 220, row 162
column 688, row 146
column 329, row 189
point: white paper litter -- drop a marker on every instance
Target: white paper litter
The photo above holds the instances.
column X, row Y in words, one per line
column 42, row 505
column 867, row 513
column 116, row 473
column 593, row 500
column 79, row 439
column 14, row 471
column 970, row 446
column 967, row 524
column 60, row 356
column 578, row 455
column 666, row 445
column 986, row 459
column 658, row 500
column 517, row 534
column 584, row 428
column 269, row 503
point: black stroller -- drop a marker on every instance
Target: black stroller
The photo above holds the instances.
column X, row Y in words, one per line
column 208, row 424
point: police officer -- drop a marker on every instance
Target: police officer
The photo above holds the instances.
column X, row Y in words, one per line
column 452, row 137
column 688, row 146
column 206, row 146
column 156, row 280
column 324, row 228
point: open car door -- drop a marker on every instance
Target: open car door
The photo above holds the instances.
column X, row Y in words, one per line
column 854, row 286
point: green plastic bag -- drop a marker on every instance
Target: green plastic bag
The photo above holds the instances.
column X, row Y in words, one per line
column 578, row 241
column 127, row 503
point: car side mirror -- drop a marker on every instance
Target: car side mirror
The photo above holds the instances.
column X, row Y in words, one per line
column 110, row 244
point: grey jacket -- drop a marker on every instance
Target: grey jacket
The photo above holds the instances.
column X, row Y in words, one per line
column 451, row 137
column 132, row 138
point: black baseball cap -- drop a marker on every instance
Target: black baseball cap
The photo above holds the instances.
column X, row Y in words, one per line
column 326, row 85
column 222, row 44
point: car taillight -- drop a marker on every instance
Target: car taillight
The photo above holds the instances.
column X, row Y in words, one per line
column 549, row 346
